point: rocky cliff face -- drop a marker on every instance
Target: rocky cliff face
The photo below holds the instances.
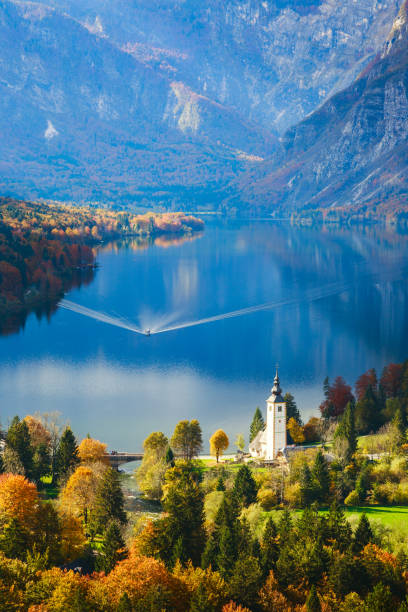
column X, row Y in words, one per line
column 81, row 118
column 353, row 149
column 274, row 61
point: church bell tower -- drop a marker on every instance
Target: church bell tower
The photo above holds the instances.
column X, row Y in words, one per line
column 275, row 421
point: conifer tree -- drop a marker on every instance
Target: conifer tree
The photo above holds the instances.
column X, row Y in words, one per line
column 313, row 601
column 363, row 534
column 18, row 439
column 169, row 457
column 185, row 518
column 245, row 488
column 285, row 525
column 227, row 551
column 113, row 548
column 257, row 425
column 269, row 548
column 367, row 414
column 292, row 411
column 200, row 601
column 306, row 486
column 245, row 581
column 220, row 484
column 14, row 539
column 345, row 437
column 321, row 476
column 67, row 457
column 337, row 528
column 109, row 503
column 379, row 599
column 399, row 421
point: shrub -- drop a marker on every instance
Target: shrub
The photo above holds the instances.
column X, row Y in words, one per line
column 292, row 495
column 267, row 498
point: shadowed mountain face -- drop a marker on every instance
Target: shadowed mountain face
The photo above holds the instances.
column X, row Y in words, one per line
column 81, row 118
column 273, row 61
column 167, row 100
column 353, row 149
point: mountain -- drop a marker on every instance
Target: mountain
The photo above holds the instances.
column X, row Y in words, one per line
column 82, row 119
column 166, row 100
column 354, row 149
column 273, row 61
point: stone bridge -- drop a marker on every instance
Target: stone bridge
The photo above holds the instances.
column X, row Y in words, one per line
column 116, row 459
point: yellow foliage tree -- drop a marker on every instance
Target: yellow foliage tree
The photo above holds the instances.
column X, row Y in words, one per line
column 79, row 493
column 219, row 442
column 72, row 537
column 296, row 431
column 91, row 450
column 18, row 499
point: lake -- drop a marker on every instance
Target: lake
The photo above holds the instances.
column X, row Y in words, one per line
column 337, row 306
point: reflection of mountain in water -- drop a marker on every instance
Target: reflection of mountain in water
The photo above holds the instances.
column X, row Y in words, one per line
column 13, row 322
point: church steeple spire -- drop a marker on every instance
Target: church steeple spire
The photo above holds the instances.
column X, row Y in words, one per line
column 276, row 389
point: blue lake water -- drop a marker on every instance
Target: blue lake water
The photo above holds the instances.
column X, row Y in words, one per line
column 343, row 301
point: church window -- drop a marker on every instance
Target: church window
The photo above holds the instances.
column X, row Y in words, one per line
column 279, row 408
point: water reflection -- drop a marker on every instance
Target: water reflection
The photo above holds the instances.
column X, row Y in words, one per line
column 120, row 386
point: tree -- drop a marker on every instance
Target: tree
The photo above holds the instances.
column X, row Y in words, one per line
column 67, row 457
column 219, row 442
column 345, row 437
column 90, row 450
column 38, row 433
column 312, row 430
column 187, row 440
column 368, row 379
column 245, row 488
column 240, row 442
column 109, row 502
column 313, row 601
column 14, row 539
column 380, row 599
column 306, row 486
column 124, row 605
column 296, row 431
column 367, row 414
column 41, row 461
column 18, row 439
column 391, row 379
column 320, row 473
column 246, row 580
column 79, row 492
column 292, row 411
column 113, row 548
column 19, row 499
column 156, row 460
column 363, row 534
column 257, row 425
column 269, row 547
column 337, row 396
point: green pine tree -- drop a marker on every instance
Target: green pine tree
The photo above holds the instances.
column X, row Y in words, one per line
column 245, row 581
column 200, row 601
column 306, row 486
column 285, row 526
column 313, row 601
column 345, row 436
column 321, row 476
column 245, row 489
column 363, row 534
column 18, row 439
column 337, row 528
column 113, row 548
column 257, row 425
column 220, row 484
column 14, row 540
column 269, row 548
column 109, row 501
column 292, row 411
column 367, row 414
column 67, row 454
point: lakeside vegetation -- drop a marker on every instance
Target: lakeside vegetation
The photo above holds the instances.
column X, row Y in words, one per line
column 391, row 212
column 46, row 249
column 324, row 531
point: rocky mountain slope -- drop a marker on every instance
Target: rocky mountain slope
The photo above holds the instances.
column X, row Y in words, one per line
column 274, row 61
column 82, row 119
column 354, row 149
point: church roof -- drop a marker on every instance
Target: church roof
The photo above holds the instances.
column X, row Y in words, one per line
column 276, row 391
column 259, row 439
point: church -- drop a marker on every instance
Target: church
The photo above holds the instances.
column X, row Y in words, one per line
column 272, row 439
